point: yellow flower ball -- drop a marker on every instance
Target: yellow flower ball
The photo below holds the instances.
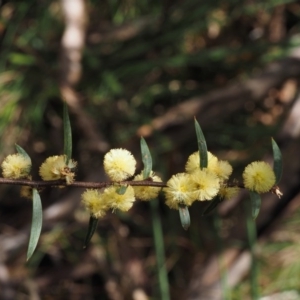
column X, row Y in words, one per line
column 119, row 164
column 180, row 190
column 16, row 166
column 193, row 162
column 207, row 184
column 222, row 169
column 55, row 168
column 116, row 201
column 146, row 192
column 93, row 201
column 228, row 193
column 259, row 177
column 51, row 167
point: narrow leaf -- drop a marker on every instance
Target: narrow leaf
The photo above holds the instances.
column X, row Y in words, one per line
column 184, row 217
column 255, row 204
column 277, row 161
column 36, row 225
column 212, row 205
column 20, row 150
column 146, row 158
column 122, row 189
column 91, row 230
column 201, row 145
column 67, row 134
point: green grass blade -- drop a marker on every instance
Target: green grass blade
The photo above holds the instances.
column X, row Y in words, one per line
column 146, row 158
column 221, row 259
column 20, row 150
column 255, row 204
column 67, row 134
column 277, row 161
column 201, row 145
column 91, row 230
column 252, row 240
column 212, row 205
column 184, row 217
column 36, row 225
column 159, row 251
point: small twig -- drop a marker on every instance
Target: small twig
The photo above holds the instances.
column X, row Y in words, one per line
column 94, row 185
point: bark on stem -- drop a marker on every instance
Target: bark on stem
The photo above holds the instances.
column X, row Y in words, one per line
column 94, row 185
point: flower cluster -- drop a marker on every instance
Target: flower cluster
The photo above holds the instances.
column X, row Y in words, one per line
column 146, row 193
column 56, row 167
column 182, row 189
column 16, row 166
column 259, row 177
column 98, row 202
column 119, row 165
column 199, row 184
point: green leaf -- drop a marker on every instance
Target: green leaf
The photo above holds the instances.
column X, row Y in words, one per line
column 255, row 203
column 67, row 134
column 146, row 158
column 184, row 217
column 111, row 81
column 212, row 205
column 36, row 225
column 122, row 189
column 19, row 59
column 201, row 145
column 20, row 150
column 91, row 230
column 277, row 161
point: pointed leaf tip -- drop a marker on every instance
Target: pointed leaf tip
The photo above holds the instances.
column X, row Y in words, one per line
column 91, row 230
column 67, row 133
column 277, row 167
column 20, row 150
column 184, row 217
column 201, row 145
column 146, row 158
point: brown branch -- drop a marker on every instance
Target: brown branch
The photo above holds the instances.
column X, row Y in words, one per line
column 81, row 184
column 99, row 185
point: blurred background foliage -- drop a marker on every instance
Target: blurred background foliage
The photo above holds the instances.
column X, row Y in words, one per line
column 140, row 60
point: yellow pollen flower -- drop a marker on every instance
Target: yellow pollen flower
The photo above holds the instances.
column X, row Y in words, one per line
column 207, row 184
column 93, row 201
column 146, row 192
column 193, row 162
column 119, row 164
column 55, row 168
column 116, row 201
column 180, row 190
column 222, row 169
column 259, row 177
column 228, row 193
column 16, row 166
